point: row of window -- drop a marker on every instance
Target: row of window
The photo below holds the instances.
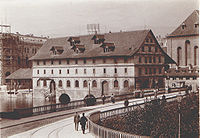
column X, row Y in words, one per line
column 149, row 59
column 85, row 71
column 150, row 49
column 85, row 83
column 150, row 71
column 84, row 61
column 34, row 50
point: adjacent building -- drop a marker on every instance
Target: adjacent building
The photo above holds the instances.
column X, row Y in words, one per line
column 101, row 63
column 15, row 50
column 183, row 47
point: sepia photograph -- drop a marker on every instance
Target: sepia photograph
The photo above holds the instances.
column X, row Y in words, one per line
column 99, row 69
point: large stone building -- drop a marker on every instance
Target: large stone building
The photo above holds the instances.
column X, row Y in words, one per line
column 15, row 50
column 183, row 47
column 104, row 63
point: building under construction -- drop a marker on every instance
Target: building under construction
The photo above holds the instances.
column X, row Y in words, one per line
column 15, row 50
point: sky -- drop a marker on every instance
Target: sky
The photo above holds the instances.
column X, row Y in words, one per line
column 60, row 18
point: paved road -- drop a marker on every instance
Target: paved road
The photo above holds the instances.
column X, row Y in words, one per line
column 65, row 128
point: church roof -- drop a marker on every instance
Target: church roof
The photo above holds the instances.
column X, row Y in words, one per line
column 187, row 27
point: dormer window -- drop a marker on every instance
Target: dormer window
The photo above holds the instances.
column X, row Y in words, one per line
column 108, row 46
column 98, row 39
column 196, row 25
column 74, row 40
column 57, row 50
column 78, row 48
column 183, row 26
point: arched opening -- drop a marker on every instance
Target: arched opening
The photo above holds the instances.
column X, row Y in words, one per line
column 45, row 83
column 84, row 83
column 179, row 55
column 104, row 88
column 196, row 55
column 94, row 83
column 60, row 83
column 76, row 83
column 116, row 84
column 38, row 83
column 187, row 44
column 68, row 83
column 52, row 86
column 125, row 84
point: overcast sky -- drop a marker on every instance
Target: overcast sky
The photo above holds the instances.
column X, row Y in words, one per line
column 57, row 18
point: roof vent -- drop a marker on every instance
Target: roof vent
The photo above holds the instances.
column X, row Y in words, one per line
column 183, row 25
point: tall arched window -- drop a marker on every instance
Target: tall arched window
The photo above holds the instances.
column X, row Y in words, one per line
column 187, row 44
column 45, row 83
column 84, row 83
column 179, row 57
column 125, row 84
column 76, row 83
column 60, row 83
column 94, row 83
column 115, row 83
column 68, row 83
column 38, row 83
column 196, row 55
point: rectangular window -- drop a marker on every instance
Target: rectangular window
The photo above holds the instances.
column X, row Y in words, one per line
column 154, row 70
column 150, row 59
column 104, row 70
column 115, row 70
column 154, row 59
column 38, row 72
column 145, row 59
column 125, row 60
column 125, row 70
column 38, row 62
column 160, row 70
column 76, row 71
column 143, row 49
column 156, row 49
column 59, row 62
column 140, row 59
column 84, row 71
column 44, row 62
column 60, row 71
column 84, row 61
column 51, row 62
column 93, row 61
column 149, row 49
column 150, row 71
column 140, row 71
column 76, row 61
column 115, row 60
column 67, row 61
column 67, row 71
column 94, row 71
column 51, row 71
column 44, row 71
column 146, row 71
column 159, row 59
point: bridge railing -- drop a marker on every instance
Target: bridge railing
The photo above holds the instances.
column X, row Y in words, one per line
column 103, row 132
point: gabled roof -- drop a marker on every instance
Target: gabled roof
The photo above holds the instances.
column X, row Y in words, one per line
column 126, row 43
column 20, row 74
column 189, row 29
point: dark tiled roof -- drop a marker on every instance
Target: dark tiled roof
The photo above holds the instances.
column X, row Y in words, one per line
column 22, row 73
column 189, row 26
column 126, row 44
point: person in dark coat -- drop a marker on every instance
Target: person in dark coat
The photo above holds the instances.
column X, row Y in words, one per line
column 76, row 121
column 103, row 98
column 112, row 98
column 83, row 122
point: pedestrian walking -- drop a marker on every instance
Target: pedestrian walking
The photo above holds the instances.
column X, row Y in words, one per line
column 103, row 98
column 76, row 121
column 126, row 102
column 112, row 98
column 83, row 122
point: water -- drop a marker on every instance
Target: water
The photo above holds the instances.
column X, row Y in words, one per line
column 7, row 103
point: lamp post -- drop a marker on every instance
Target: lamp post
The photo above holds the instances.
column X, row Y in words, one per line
column 179, row 115
column 89, row 86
